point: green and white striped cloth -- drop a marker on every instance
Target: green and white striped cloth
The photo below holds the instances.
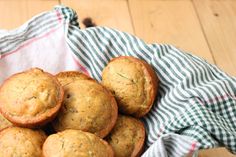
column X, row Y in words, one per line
column 196, row 103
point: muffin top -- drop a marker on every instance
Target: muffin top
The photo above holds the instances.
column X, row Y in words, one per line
column 76, row 143
column 87, row 106
column 67, row 77
column 22, row 142
column 4, row 122
column 30, row 98
column 133, row 82
column 127, row 137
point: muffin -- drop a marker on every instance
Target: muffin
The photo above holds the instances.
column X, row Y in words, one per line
column 69, row 76
column 4, row 123
column 127, row 137
column 76, row 143
column 21, row 142
column 31, row 98
column 87, row 106
column 133, row 83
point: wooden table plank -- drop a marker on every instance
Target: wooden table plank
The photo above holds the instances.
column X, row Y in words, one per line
column 218, row 19
column 16, row 12
column 172, row 22
column 217, row 152
column 111, row 13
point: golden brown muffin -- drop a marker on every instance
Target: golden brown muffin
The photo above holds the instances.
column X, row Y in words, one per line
column 127, row 137
column 4, row 123
column 76, row 143
column 30, row 98
column 133, row 83
column 87, row 106
column 70, row 76
column 21, row 142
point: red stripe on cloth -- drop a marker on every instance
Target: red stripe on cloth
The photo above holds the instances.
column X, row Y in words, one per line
column 29, row 42
column 58, row 16
column 222, row 97
column 215, row 99
column 80, row 66
column 193, row 147
column 160, row 131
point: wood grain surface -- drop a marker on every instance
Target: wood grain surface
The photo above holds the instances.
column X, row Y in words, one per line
column 14, row 13
column 206, row 28
column 172, row 22
column 218, row 19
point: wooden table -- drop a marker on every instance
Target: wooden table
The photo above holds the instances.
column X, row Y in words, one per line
column 206, row 28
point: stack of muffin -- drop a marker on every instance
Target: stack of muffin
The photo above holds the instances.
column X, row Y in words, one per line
column 79, row 115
